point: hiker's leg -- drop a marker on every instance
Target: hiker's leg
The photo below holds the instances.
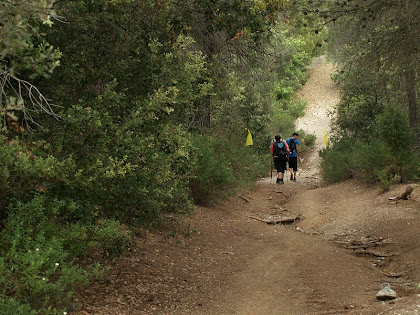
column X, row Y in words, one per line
column 277, row 164
column 283, row 166
column 276, row 167
column 280, row 170
column 293, row 166
column 280, row 178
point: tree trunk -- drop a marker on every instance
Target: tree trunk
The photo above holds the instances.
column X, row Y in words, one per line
column 410, row 80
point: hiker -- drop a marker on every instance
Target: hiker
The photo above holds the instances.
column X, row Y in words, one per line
column 293, row 143
column 279, row 149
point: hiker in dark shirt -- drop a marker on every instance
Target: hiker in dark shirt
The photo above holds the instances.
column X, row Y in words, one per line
column 280, row 150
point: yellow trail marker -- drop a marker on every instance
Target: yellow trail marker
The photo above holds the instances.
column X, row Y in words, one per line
column 249, row 139
column 325, row 139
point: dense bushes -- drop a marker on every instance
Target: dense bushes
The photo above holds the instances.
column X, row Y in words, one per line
column 127, row 168
column 36, row 269
column 223, row 167
column 41, row 234
column 154, row 104
column 376, row 122
column 288, row 108
column 384, row 156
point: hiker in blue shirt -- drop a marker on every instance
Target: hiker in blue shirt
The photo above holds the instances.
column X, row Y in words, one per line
column 293, row 144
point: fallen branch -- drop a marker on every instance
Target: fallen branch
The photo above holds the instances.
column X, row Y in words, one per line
column 393, row 275
column 280, row 192
column 361, row 244
column 373, row 253
column 355, row 244
column 244, row 198
column 405, row 195
column 282, row 220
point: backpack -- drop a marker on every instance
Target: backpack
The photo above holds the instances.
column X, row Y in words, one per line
column 279, row 150
column 292, row 145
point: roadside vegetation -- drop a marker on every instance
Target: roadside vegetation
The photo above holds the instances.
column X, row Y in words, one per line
column 116, row 114
column 376, row 124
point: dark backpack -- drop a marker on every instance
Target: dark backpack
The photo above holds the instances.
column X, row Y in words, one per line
column 279, row 150
column 292, row 145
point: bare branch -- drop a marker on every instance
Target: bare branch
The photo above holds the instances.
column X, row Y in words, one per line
column 29, row 98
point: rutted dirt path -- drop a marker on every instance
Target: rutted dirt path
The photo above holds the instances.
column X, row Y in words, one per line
column 348, row 241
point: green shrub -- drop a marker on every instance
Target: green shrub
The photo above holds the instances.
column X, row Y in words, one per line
column 393, row 128
column 371, row 157
column 131, row 168
column 370, row 160
column 36, row 270
column 285, row 115
column 111, row 238
column 281, row 122
column 394, row 131
column 284, row 92
column 23, row 172
column 223, row 167
column 309, row 140
column 43, row 235
column 378, row 150
column 214, row 172
column 108, row 237
column 13, row 307
column 336, row 163
column 76, row 239
column 248, row 165
column 297, row 108
column 415, row 166
column 385, row 181
column 356, row 115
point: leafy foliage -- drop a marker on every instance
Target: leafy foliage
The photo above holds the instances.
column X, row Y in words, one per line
column 376, row 36
column 383, row 156
column 220, row 168
column 336, row 164
column 214, row 172
column 379, row 83
column 25, row 55
column 38, row 273
column 154, row 100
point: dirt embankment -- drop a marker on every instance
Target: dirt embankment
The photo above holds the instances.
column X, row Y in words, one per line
column 345, row 240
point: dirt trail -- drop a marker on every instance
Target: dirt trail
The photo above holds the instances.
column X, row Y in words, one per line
column 321, row 96
column 348, row 240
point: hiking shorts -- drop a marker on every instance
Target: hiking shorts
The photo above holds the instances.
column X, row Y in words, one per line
column 280, row 164
column 293, row 163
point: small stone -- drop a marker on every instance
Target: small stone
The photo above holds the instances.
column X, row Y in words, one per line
column 386, row 293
